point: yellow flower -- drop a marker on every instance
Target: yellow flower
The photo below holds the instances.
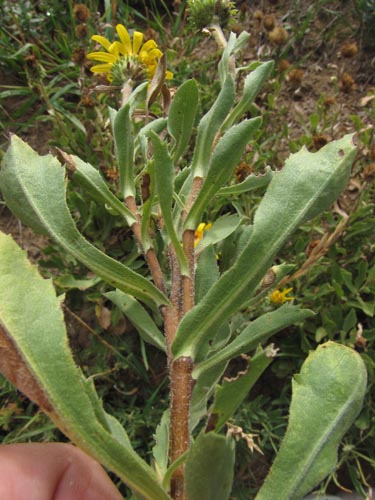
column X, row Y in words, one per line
column 128, row 58
column 200, row 231
column 279, row 297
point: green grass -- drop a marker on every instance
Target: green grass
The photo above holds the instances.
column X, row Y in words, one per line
column 46, row 93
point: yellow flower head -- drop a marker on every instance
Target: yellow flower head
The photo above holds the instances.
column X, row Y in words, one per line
column 200, row 231
column 279, row 297
column 126, row 59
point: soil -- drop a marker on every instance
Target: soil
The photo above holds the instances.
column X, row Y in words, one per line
column 330, row 60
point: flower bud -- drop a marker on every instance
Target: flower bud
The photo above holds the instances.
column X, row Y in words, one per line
column 203, row 13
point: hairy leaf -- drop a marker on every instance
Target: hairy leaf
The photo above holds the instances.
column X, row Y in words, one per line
column 327, row 397
column 34, row 355
column 209, row 126
column 257, row 332
column 124, row 149
column 251, row 183
column 34, row 189
column 307, row 185
column 89, row 177
column 164, row 180
column 209, row 468
column 252, row 85
column 230, row 394
column 139, row 317
column 225, row 158
column 182, row 115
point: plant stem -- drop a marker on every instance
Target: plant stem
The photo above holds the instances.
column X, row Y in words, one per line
column 188, row 281
column 149, row 254
column 181, row 387
column 181, row 377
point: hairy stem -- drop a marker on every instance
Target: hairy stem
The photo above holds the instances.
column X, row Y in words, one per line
column 188, row 281
column 181, row 387
column 181, row 378
column 150, row 254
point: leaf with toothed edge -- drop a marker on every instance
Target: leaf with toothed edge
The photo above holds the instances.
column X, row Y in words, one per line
column 34, row 189
column 34, row 355
column 307, row 185
column 327, row 396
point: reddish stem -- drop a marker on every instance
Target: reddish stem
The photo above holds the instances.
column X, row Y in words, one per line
column 181, row 387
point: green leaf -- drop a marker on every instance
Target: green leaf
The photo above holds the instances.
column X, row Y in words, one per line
column 327, row 397
column 69, row 281
column 34, row 189
column 124, row 149
column 230, row 394
column 164, row 180
column 139, row 317
column 251, row 183
column 222, row 228
column 90, row 179
column 209, row 468
column 252, row 85
column 257, row 332
column 147, row 207
column 207, row 273
column 307, row 185
column 225, row 158
column 204, row 387
column 34, row 355
column 157, row 126
column 160, row 451
column 233, row 45
column 209, row 126
column 181, row 116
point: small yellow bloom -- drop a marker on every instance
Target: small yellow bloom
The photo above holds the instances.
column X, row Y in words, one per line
column 279, row 297
column 200, row 231
column 128, row 58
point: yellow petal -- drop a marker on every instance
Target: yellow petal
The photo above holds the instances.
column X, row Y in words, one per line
column 168, row 75
column 125, row 38
column 101, row 68
column 155, row 53
column 102, row 57
column 116, row 49
column 102, row 40
column 137, row 41
column 151, row 57
column 149, row 45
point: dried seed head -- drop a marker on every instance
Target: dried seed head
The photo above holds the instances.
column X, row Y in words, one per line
column 283, row 65
column 87, row 102
column 329, row 101
column 369, row 172
column 295, row 77
column 258, row 15
column 242, row 171
column 347, row 83
column 79, row 56
column 81, row 31
column 349, row 49
column 269, row 22
column 111, row 174
column 321, row 140
column 81, row 12
column 278, row 35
